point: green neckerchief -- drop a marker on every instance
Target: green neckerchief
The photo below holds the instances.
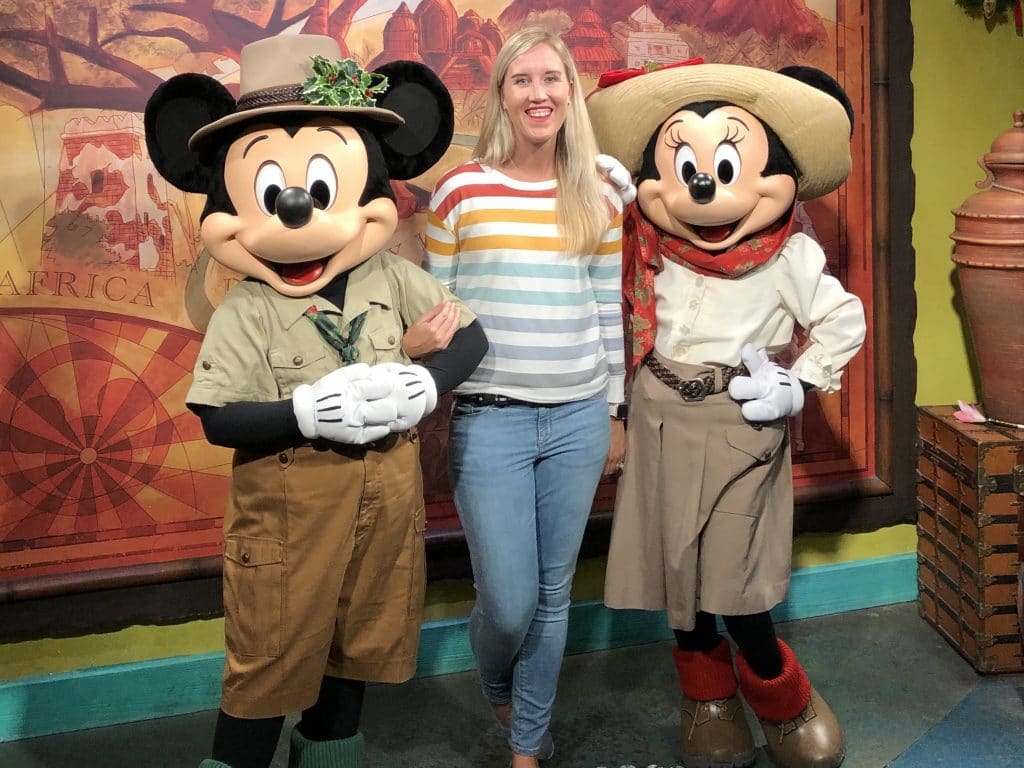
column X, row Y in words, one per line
column 343, row 341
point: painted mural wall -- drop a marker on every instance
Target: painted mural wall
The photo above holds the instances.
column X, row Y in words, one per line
column 105, row 289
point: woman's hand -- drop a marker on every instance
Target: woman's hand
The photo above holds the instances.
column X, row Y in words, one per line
column 432, row 332
column 616, row 448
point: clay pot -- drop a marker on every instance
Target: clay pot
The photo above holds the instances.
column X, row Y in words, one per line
column 989, row 258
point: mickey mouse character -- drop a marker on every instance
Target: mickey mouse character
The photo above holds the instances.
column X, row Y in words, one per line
column 302, row 372
column 716, row 281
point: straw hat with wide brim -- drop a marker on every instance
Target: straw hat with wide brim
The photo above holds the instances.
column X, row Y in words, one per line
column 812, row 124
column 272, row 73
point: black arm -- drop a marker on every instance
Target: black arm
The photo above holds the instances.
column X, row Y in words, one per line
column 253, row 426
column 453, row 364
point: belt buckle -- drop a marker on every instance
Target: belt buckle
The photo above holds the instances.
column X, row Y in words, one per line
column 692, row 390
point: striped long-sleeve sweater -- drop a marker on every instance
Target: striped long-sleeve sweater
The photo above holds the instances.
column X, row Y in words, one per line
column 553, row 320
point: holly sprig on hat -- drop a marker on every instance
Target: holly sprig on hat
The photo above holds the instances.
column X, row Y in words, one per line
column 342, row 84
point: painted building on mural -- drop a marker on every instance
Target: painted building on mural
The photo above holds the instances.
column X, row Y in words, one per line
column 105, row 176
column 591, row 45
column 459, row 48
column 644, row 38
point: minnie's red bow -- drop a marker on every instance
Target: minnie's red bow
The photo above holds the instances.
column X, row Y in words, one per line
column 618, row 75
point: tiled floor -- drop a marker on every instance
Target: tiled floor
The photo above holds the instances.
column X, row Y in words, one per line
column 905, row 698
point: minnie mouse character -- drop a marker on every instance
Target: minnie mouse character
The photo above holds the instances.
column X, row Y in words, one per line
column 716, row 282
column 302, row 372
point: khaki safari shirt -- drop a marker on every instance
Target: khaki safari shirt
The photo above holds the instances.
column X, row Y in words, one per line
column 259, row 347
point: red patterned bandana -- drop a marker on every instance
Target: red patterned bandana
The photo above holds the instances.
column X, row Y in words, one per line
column 644, row 249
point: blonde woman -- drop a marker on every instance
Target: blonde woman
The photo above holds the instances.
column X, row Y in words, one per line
column 528, row 234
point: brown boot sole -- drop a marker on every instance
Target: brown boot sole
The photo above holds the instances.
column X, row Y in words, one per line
column 744, row 760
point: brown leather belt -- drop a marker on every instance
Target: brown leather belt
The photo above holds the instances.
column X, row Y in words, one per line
column 695, row 389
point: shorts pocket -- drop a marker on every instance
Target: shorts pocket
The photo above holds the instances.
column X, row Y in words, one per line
column 417, row 571
column 253, row 595
column 760, row 443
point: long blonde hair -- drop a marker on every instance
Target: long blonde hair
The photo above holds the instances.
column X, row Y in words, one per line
column 582, row 210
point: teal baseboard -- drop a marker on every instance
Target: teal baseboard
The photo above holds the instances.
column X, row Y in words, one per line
column 122, row 693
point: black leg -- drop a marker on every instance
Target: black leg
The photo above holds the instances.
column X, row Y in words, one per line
column 336, row 712
column 755, row 637
column 703, row 637
column 244, row 743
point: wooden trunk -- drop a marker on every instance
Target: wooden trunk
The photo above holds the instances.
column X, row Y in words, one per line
column 970, row 513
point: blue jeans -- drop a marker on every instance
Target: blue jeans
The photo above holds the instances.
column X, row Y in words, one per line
column 524, row 479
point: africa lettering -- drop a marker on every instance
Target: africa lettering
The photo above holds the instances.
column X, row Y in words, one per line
column 113, row 288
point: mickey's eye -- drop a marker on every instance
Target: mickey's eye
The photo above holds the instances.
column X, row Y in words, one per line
column 269, row 183
column 686, row 163
column 727, row 163
column 321, row 181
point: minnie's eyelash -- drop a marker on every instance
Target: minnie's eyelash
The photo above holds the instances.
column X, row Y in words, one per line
column 674, row 139
column 732, row 133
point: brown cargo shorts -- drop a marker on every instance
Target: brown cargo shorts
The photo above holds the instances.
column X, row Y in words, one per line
column 324, row 572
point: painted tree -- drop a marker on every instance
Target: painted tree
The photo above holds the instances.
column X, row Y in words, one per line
column 57, row 54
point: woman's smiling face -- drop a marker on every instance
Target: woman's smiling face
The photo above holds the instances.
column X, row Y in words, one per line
column 535, row 95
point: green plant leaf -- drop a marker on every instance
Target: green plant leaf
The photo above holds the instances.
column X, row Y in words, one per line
column 342, row 84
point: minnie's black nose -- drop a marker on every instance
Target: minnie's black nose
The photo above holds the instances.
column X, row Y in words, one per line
column 702, row 188
column 294, row 206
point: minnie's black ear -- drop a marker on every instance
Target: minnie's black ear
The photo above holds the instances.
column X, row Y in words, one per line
column 418, row 95
column 823, row 81
column 176, row 110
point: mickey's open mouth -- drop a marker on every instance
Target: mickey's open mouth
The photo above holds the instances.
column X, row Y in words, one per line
column 303, row 273
column 716, row 233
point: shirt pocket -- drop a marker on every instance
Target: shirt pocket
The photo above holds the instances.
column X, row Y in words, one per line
column 299, row 364
column 386, row 345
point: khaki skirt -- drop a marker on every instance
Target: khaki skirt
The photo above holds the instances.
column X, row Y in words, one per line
column 704, row 512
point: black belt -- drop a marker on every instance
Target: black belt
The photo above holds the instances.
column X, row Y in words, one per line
column 697, row 388
column 500, row 401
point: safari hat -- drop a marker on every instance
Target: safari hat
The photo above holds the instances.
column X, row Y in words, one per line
column 812, row 124
column 272, row 73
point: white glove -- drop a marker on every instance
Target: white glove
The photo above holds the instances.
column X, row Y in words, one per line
column 347, row 405
column 412, row 391
column 618, row 176
column 770, row 391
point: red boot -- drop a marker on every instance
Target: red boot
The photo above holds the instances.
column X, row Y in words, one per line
column 800, row 728
column 713, row 731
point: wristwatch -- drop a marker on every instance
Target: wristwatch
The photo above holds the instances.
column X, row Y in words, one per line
column 618, row 411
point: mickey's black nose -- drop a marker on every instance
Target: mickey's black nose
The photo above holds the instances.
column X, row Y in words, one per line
column 702, row 188
column 294, row 206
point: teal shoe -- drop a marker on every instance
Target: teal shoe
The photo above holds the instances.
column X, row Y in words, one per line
column 213, row 764
column 338, row 753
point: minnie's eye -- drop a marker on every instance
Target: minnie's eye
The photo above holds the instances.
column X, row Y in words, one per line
column 269, row 183
column 727, row 163
column 686, row 163
column 321, row 181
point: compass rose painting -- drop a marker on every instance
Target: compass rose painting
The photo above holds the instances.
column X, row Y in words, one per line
column 105, row 289
column 100, row 465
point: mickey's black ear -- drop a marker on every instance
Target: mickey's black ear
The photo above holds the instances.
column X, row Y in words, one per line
column 418, row 95
column 823, row 81
column 176, row 110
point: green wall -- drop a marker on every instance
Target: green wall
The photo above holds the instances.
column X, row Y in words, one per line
column 967, row 82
